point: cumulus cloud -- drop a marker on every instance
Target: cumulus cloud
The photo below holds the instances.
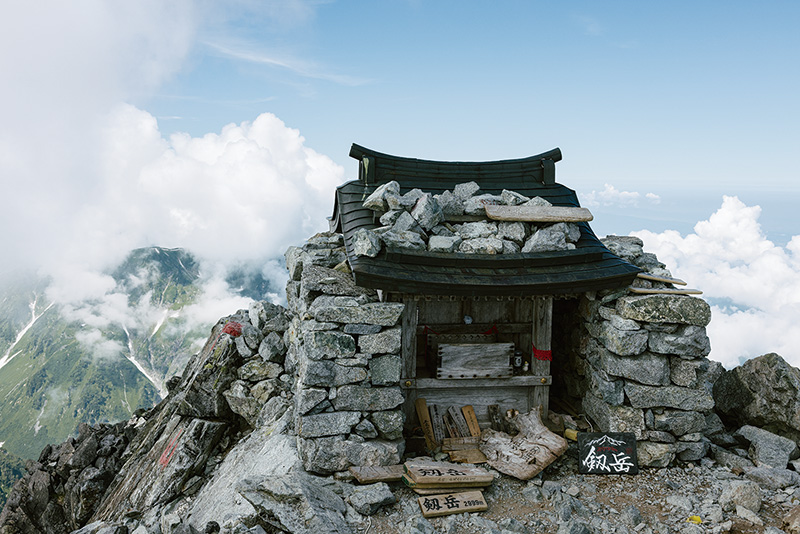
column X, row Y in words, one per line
column 752, row 283
column 611, row 196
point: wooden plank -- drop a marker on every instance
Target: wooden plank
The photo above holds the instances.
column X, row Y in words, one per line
column 370, row 475
column 538, row 213
column 425, row 423
column 664, row 279
column 409, row 338
column 450, row 426
column 409, row 481
column 452, row 503
column 663, row 291
column 438, row 491
column 541, row 337
column 447, row 473
column 468, row 456
column 475, row 360
column 472, row 420
column 495, row 418
column 458, row 444
column 459, row 421
column 437, row 423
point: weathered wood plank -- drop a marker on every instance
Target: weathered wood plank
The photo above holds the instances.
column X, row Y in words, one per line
column 370, row 475
column 472, row 420
column 663, row 291
column 538, row 213
column 447, row 473
column 458, row 421
column 426, row 424
column 409, row 338
column 468, row 456
column 452, row 503
column 449, row 426
column 526, row 454
column 664, row 279
column 438, row 491
column 542, row 341
column 460, row 444
column 475, row 360
column 437, row 423
column 409, row 481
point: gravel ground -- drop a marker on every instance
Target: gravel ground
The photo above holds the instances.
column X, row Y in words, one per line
column 562, row 501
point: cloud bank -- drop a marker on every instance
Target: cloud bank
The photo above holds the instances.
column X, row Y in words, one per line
column 752, row 284
column 611, row 196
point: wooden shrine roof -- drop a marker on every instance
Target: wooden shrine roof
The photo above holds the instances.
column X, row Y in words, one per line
column 590, row 266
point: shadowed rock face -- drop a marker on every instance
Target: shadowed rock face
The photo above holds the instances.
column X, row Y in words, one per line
column 763, row 392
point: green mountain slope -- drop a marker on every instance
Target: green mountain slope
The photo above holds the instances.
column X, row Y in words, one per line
column 98, row 360
column 11, row 470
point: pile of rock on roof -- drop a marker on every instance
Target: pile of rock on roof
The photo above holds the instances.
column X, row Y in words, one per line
column 456, row 221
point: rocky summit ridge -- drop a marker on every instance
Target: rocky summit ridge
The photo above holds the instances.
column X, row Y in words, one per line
column 220, row 452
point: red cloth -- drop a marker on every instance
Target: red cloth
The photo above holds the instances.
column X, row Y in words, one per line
column 543, row 355
column 233, row 329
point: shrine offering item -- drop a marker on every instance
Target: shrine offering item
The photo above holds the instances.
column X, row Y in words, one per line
column 607, row 453
column 525, row 455
column 452, row 503
column 370, row 475
column 548, row 214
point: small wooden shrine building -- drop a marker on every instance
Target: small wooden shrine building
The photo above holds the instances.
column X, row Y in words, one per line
column 503, row 302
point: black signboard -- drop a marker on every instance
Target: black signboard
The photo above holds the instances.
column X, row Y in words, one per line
column 607, row 453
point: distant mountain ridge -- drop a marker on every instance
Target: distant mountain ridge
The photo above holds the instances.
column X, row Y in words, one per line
column 101, row 360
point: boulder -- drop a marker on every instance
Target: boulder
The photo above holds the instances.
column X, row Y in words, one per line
column 762, row 392
column 427, row 212
column 377, row 201
column 642, row 396
column 765, row 448
column 743, row 493
column 614, row 418
column 366, row 243
column 369, row 499
column 681, row 309
column 687, row 342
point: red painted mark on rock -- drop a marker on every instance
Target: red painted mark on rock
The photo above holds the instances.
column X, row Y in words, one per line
column 166, row 456
column 233, row 329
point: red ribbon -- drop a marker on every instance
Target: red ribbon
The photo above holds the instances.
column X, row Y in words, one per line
column 542, row 355
column 492, row 330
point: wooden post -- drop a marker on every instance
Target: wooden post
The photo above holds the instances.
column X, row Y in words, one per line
column 408, row 355
column 542, row 338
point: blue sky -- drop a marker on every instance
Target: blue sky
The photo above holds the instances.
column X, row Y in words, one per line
column 223, row 127
column 687, row 100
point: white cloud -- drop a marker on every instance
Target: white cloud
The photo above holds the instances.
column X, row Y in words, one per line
column 753, row 283
column 611, row 196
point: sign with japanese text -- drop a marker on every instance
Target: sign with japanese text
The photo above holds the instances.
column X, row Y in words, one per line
column 607, row 453
column 452, row 503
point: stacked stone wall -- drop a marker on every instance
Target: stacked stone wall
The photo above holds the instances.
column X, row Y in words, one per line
column 639, row 364
column 344, row 350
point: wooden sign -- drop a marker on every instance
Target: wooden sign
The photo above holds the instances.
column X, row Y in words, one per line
column 452, row 503
column 548, row 214
column 475, row 360
column 472, row 420
column 445, row 473
column 440, row 486
column 460, row 444
column 607, row 453
column 437, row 422
column 426, row 424
column 459, row 422
column 468, row 456
column 370, row 475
